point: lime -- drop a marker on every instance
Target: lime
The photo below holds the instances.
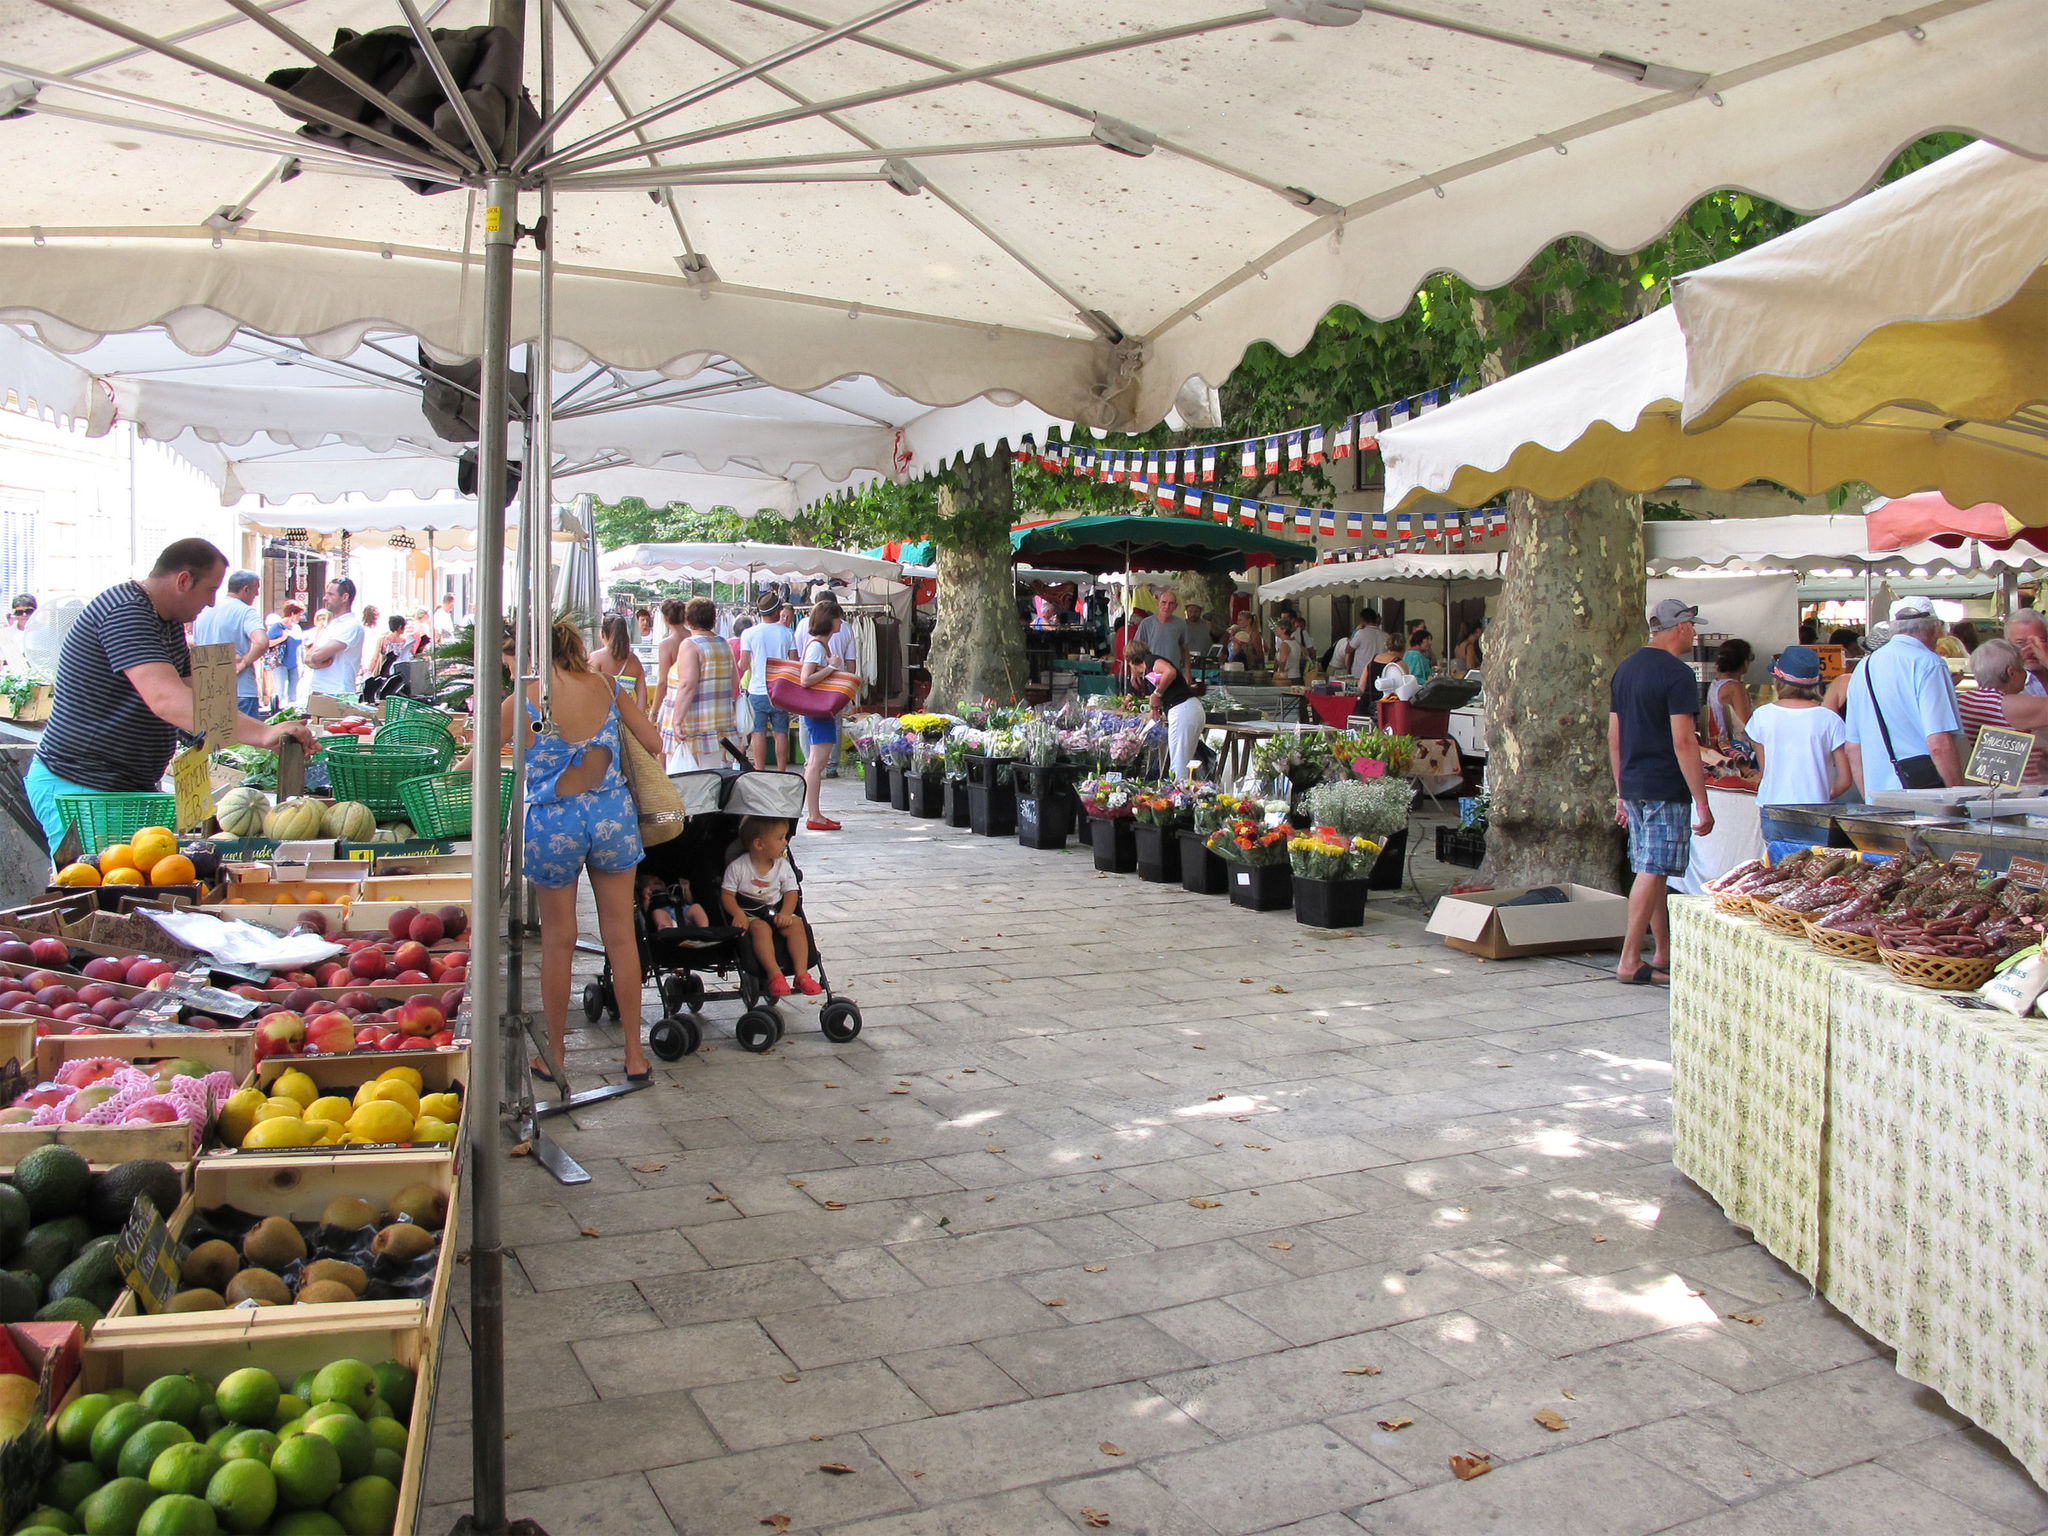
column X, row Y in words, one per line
column 47, row 1519
column 308, row 1470
column 302, row 1385
column 395, row 1385
column 320, row 1411
column 379, row 1409
column 388, row 1435
column 120, row 1394
column 367, row 1507
column 346, row 1381
column 350, row 1437
column 184, row 1469
column 176, row 1398
column 77, row 1422
column 112, row 1432
column 69, row 1486
column 140, row 1451
column 40, row 1529
column 387, row 1464
column 178, row 1514
column 116, row 1508
column 309, row 1522
column 248, row 1396
column 220, row 1437
column 243, row 1494
column 250, row 1445
column 290, row 1409
column 210, row 1417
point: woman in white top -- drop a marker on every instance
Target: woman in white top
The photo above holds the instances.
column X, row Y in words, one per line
column 1728, row 701
column 1802, row 747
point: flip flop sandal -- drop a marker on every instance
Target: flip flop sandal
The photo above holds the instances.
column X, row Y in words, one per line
column 540, row 1071
column 1639, row 978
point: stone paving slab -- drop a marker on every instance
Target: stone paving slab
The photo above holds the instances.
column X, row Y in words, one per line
column 1127, row 1203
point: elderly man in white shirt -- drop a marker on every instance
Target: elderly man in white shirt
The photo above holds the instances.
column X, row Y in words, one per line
column 2028, row 629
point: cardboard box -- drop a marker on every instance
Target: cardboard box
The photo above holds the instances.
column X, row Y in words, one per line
column 1480, row 923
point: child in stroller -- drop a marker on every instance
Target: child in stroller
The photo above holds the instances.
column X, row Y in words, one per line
column 759, row 893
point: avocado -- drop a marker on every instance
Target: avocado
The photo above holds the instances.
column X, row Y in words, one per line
column 91, row 1275
column 116, row 1190
column 54, row 1180
column 14, row 1220
column 49, row 1247
column 70, row 1309
column 20, row 1294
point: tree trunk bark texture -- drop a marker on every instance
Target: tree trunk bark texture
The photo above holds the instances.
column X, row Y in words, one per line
column 1571, row 609
column 977, row 649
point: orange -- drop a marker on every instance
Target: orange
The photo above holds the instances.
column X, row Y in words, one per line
column 284, row 899
column 78, row 874
column 316, row 897
column 124, row 877
column 151, row 844
column 172, row 869
column 238, row 901
column 119, row 856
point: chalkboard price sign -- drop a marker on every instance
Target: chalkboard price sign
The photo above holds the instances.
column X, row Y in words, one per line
column 2000, row 757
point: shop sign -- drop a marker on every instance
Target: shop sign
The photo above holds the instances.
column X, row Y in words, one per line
column 2000, row 757
column 213, row 695
column 2025, row 871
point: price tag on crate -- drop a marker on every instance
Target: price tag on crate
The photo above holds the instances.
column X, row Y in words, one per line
column 1968, row 859
column 2025, row 871
column 2000, row 757
column 213, row 695
column 147, row 1257
column 192, row 782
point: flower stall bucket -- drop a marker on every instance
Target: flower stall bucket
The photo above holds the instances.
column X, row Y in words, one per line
column 992, row 809
column 875, row 779
column 1202, row 872
column 899, row 788
column 1329, row 903
column 1391, row 866
column 1084, row 828
column 1116, row 849
column 926, row 793
column 1043, row 821
column 1159, row 854
column 1261, row 887
column 982, row 769
column 959, row 807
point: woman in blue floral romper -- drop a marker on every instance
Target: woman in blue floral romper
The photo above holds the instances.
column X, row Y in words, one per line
column 580, row 816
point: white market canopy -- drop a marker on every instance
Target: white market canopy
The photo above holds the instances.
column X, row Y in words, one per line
column 1901, row 341
column 376, row 525
column 1809, row 545
column 1343, row 575
column 1087, row 206
column 740, row 562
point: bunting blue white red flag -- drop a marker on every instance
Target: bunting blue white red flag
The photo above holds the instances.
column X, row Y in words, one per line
column 1354, row 525
column 1293, row 441
column 1397, row 413
column 1326, row 522
column 1425, row 402
column 1248, row 512
column 1084, row 462
column 1272, row 455
column 1304, row 520
column 1191, row 500
column 1379, row 525
column 1401, row 524
column 1208, row 466
column 1497, row 521
column 1429, row 524
column 1165, row 495
column 1315, row 445
column 1152, row 466
column 1225, row 505
column 1248, row 462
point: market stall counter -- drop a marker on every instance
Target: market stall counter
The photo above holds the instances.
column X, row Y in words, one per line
column 1884, row 1140
column 1737, row 838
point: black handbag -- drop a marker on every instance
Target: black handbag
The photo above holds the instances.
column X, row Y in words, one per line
column 1914, row 772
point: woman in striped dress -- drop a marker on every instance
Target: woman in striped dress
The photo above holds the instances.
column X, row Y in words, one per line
column 697, row 712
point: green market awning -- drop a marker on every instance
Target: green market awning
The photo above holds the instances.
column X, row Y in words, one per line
column 1129, row 543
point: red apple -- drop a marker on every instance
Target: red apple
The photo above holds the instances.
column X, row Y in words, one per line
column 280, row 1035
column 105, row 968
column 143, row 970
column 368, row 964
column 401, row 922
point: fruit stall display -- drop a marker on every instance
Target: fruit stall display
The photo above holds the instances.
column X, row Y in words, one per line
column 152, row 856
column 310, row 1233
column 59, row 1219
column 114, row 1098
column 355, row 1100
column 60, row 983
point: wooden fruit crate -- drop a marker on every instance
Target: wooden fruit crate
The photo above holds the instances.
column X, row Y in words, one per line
column 220, row 1050
column 439, row 1069
column 99, row 1144
column 300, row 1188
column 231, row 1051
column 212, row 1344
column 356, row 918
column 17, row 1042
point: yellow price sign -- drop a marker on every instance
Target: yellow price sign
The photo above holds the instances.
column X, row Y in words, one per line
column 192, row 783
column 363, row 855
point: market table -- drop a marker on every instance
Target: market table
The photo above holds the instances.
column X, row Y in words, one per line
column 1333, row 709
column 1883, row 1140
column 1738, row 837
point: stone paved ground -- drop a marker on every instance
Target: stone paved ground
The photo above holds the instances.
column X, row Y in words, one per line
column 1129, row 1202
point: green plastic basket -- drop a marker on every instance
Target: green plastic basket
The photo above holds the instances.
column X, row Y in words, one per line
column 398, row 707
column 335, row 744
column 103, row 820
column 372, row 775
column 418, row 733
column 437, row 804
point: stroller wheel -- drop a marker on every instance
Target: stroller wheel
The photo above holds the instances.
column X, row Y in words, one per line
column 674, row 1038
column 751, row 990
column 757, row 1030
column 682, row 994
column 593, row 1000
column 839, row 1021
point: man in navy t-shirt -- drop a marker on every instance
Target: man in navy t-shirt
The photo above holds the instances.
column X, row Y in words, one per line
column 1653, row 747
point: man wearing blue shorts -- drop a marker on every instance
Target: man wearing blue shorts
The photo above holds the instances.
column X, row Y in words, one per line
column 1660, row 788
column 770, row 640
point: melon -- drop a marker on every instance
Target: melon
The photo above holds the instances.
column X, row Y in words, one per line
column 397, row 832
column 241, row 811
column 295, row 820
column 351, row 821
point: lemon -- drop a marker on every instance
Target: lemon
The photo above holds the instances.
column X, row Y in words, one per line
column 442, row 1106
column 271, row 1109
column 238, row 1114
column 404, row 1075
column 329, row 1132
column 295, row 1085
column 381, row 1121
column 427, row 1128
column 332, row 1107
column 396, row 1091
column 279, row 1131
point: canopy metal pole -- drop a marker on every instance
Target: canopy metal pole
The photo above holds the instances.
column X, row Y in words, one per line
column 487, row 1254
column 515, row 834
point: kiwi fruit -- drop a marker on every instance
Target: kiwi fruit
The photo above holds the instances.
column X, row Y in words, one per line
column 258, row 1285
column 198, row 1299
column 402, row 1242
column 273, row 1243
column 210, row 1266
column 335, row 1271
column 348, row 1214
column 421, row 1204
column 324, row 1290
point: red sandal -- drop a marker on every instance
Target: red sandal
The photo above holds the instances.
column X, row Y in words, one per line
column 821, row 824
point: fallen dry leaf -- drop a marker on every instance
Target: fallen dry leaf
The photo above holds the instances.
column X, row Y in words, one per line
column 836, row 1468
column 1057, row 1301
column 792, row 1379
column 1201, row 1047
column 1747, row 1317
column 776, row 1522
column 1093, row 1269
column 523, row 1149
column 1551, row 1420
column 1093, row 1517
column 995, row 1149
column 591, row 1232
column 1110, row 1448
column 1390, row 1425
column 816, row 1438
column 835, row 1205
column 831, row 1085
column 1206, row 1205
column 894, row 1091
column 714, row 1199
column 1276, row 989
column 1598, row 1238
column 1568, row 1396
column 649, row 1167
column 1256, row 1147
column 1244, row 981
column 969, row 1071
column 1215, row 1096
column 1283, row 1247
column 799, row 1183
column 1465, row 1468
column 1363, row 1370
column 881, row 1141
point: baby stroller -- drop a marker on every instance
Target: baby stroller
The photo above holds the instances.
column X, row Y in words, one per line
column 678, row 960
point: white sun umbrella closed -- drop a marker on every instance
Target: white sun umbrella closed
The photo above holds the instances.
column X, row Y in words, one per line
column 740, row 562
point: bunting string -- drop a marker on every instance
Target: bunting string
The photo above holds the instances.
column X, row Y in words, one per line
column 1409, row 531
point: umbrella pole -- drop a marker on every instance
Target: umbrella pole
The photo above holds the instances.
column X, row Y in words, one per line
column 515, row 838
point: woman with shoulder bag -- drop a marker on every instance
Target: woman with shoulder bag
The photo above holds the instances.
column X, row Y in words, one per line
column 821, row 737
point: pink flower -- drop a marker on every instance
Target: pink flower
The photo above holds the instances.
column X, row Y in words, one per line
column 1368, row 767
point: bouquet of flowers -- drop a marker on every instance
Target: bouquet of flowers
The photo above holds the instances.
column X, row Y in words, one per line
column 929, row 726
column 1373, row 808
column 1374, row 746
column 867, row 733
column 1302, row 757
column 953, row 751
column 1038, row 742
column 926, row 755
column 1213, row 809
column 1127, row 744
column 897, row 747
column 1165, row 805
column 1245, row 841
column 1327, row 854
column 1114, row 798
